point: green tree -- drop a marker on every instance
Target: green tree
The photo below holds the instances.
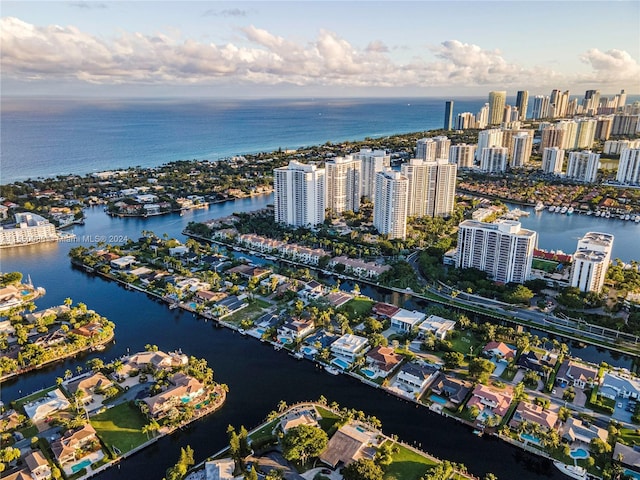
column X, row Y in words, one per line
column 453, row 359
column 363, row 469
column 303, row 442
column 481, row 368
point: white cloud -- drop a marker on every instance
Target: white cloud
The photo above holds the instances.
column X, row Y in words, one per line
column 261, row 57
column 612, row 66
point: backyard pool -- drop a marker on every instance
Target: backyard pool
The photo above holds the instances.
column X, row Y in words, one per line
column 529, row 438
column 579, row 453
column 632, row 474
column 284, row 340
column 193, row 305
column 260, row 331
column 368, row 373
column 340, row 363
column 437, row 399
column 79, row 466
column 310, row 351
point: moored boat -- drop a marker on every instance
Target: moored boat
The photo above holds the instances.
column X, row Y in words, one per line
column 539, row 206
column 563, row 209
column 570, row 211
column 573, row 471
column 332, row 370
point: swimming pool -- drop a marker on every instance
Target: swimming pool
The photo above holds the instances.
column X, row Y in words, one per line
column 368, row 373
column 579, row 453
column 79, row 466
column 530, row 438
column 260, row 331
column 308, row 350
column 632, row 474
column 193, row 305
column 437, row 399
column 340, row 363
column 284, row 340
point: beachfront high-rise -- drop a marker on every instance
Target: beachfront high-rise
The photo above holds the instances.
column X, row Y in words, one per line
column 426, row 149
column 629, row 166
column 522, row 102
column 462, row 155
column 448, row 114
column 591, row 261
column 299, row 194
column 432, row 187
column 497, row 102
column 503, row 249
column 494, row 159
column 552, row 160
column 540, row 107
column 489, row 138
column 390, row 207
column 343, row 184
column 373, row 161
column 583, row 166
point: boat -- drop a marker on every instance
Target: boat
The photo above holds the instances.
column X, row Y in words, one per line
column 539, row 206
column 573, row 471
column 98, row 348
column 637, row 220
column 607, row 215
column 589, row 212
column 552, row 208
column 173, row 306
column 627, row 217
column 297, row 355
column 478, row 432
column 557, row 209
column 242, row 331
column 598, row 213
column 570, row 211
column 332, row 370
column 563, row 209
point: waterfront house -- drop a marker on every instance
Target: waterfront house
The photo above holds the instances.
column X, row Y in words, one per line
column 88, row 330
column 69, row 447
column 499, row 350
column 38, row 466
column 151, row 361
column 575, row 430
column 230, row 305
column 249, row 271
column 338, row 299
column 490, row 399
column 577, row 374
column 438, row 326
column 183, row 390
column 311, row 290
column 88, row 387
column 122, row 263
column 296, row 419
column 349, row 444
column 416, row 377
column 614, row 386
column 209, row 296
column 41, row 408
column 404, row 320
column 385, row 310
column 178, row 251
column 451, row 388
column 219, row 469
column 531, row 413
column 383, row 360
column 349, row 346
column 537, row 360
column 628, row 456
column 296, row 328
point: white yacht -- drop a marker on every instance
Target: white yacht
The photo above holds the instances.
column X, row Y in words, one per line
column 573, row 471
column 563, row 209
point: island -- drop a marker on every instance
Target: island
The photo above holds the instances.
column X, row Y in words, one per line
column 92, row 420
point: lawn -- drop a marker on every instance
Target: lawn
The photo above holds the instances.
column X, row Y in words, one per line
column 546, row 265
column 408, row 465
column 631, row 437
column 465, row 341
column 251, row 312
column 328, row 420
column 264, row 431
column 18, row 404
column 358, row 307
column 121, row 426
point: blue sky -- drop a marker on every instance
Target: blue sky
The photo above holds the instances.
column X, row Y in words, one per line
column 333, row 48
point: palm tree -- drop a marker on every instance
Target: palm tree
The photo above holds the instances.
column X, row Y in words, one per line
column 282, row 406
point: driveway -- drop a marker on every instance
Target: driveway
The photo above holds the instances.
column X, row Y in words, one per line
column 309, row 474
column 275, row 460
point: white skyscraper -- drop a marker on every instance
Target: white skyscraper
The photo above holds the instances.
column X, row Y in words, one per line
column 426, row 149
column 299, row 194
column 390, row 207
column 583, row 166
column 585, row 133
column 465, row 120
column 489, row 138
column 591, row 261
column 462, row 155
column 482, row 119
column 503, row 249
column 343, row 184
column 629, row 166
column 521, row 151
column 570, row 128
column 432, row 187
column 497, row 102
column 373, row 161
column 494, row 159
column 552, row 160
column 442, row 146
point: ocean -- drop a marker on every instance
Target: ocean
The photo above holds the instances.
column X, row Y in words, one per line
column 50, row 137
